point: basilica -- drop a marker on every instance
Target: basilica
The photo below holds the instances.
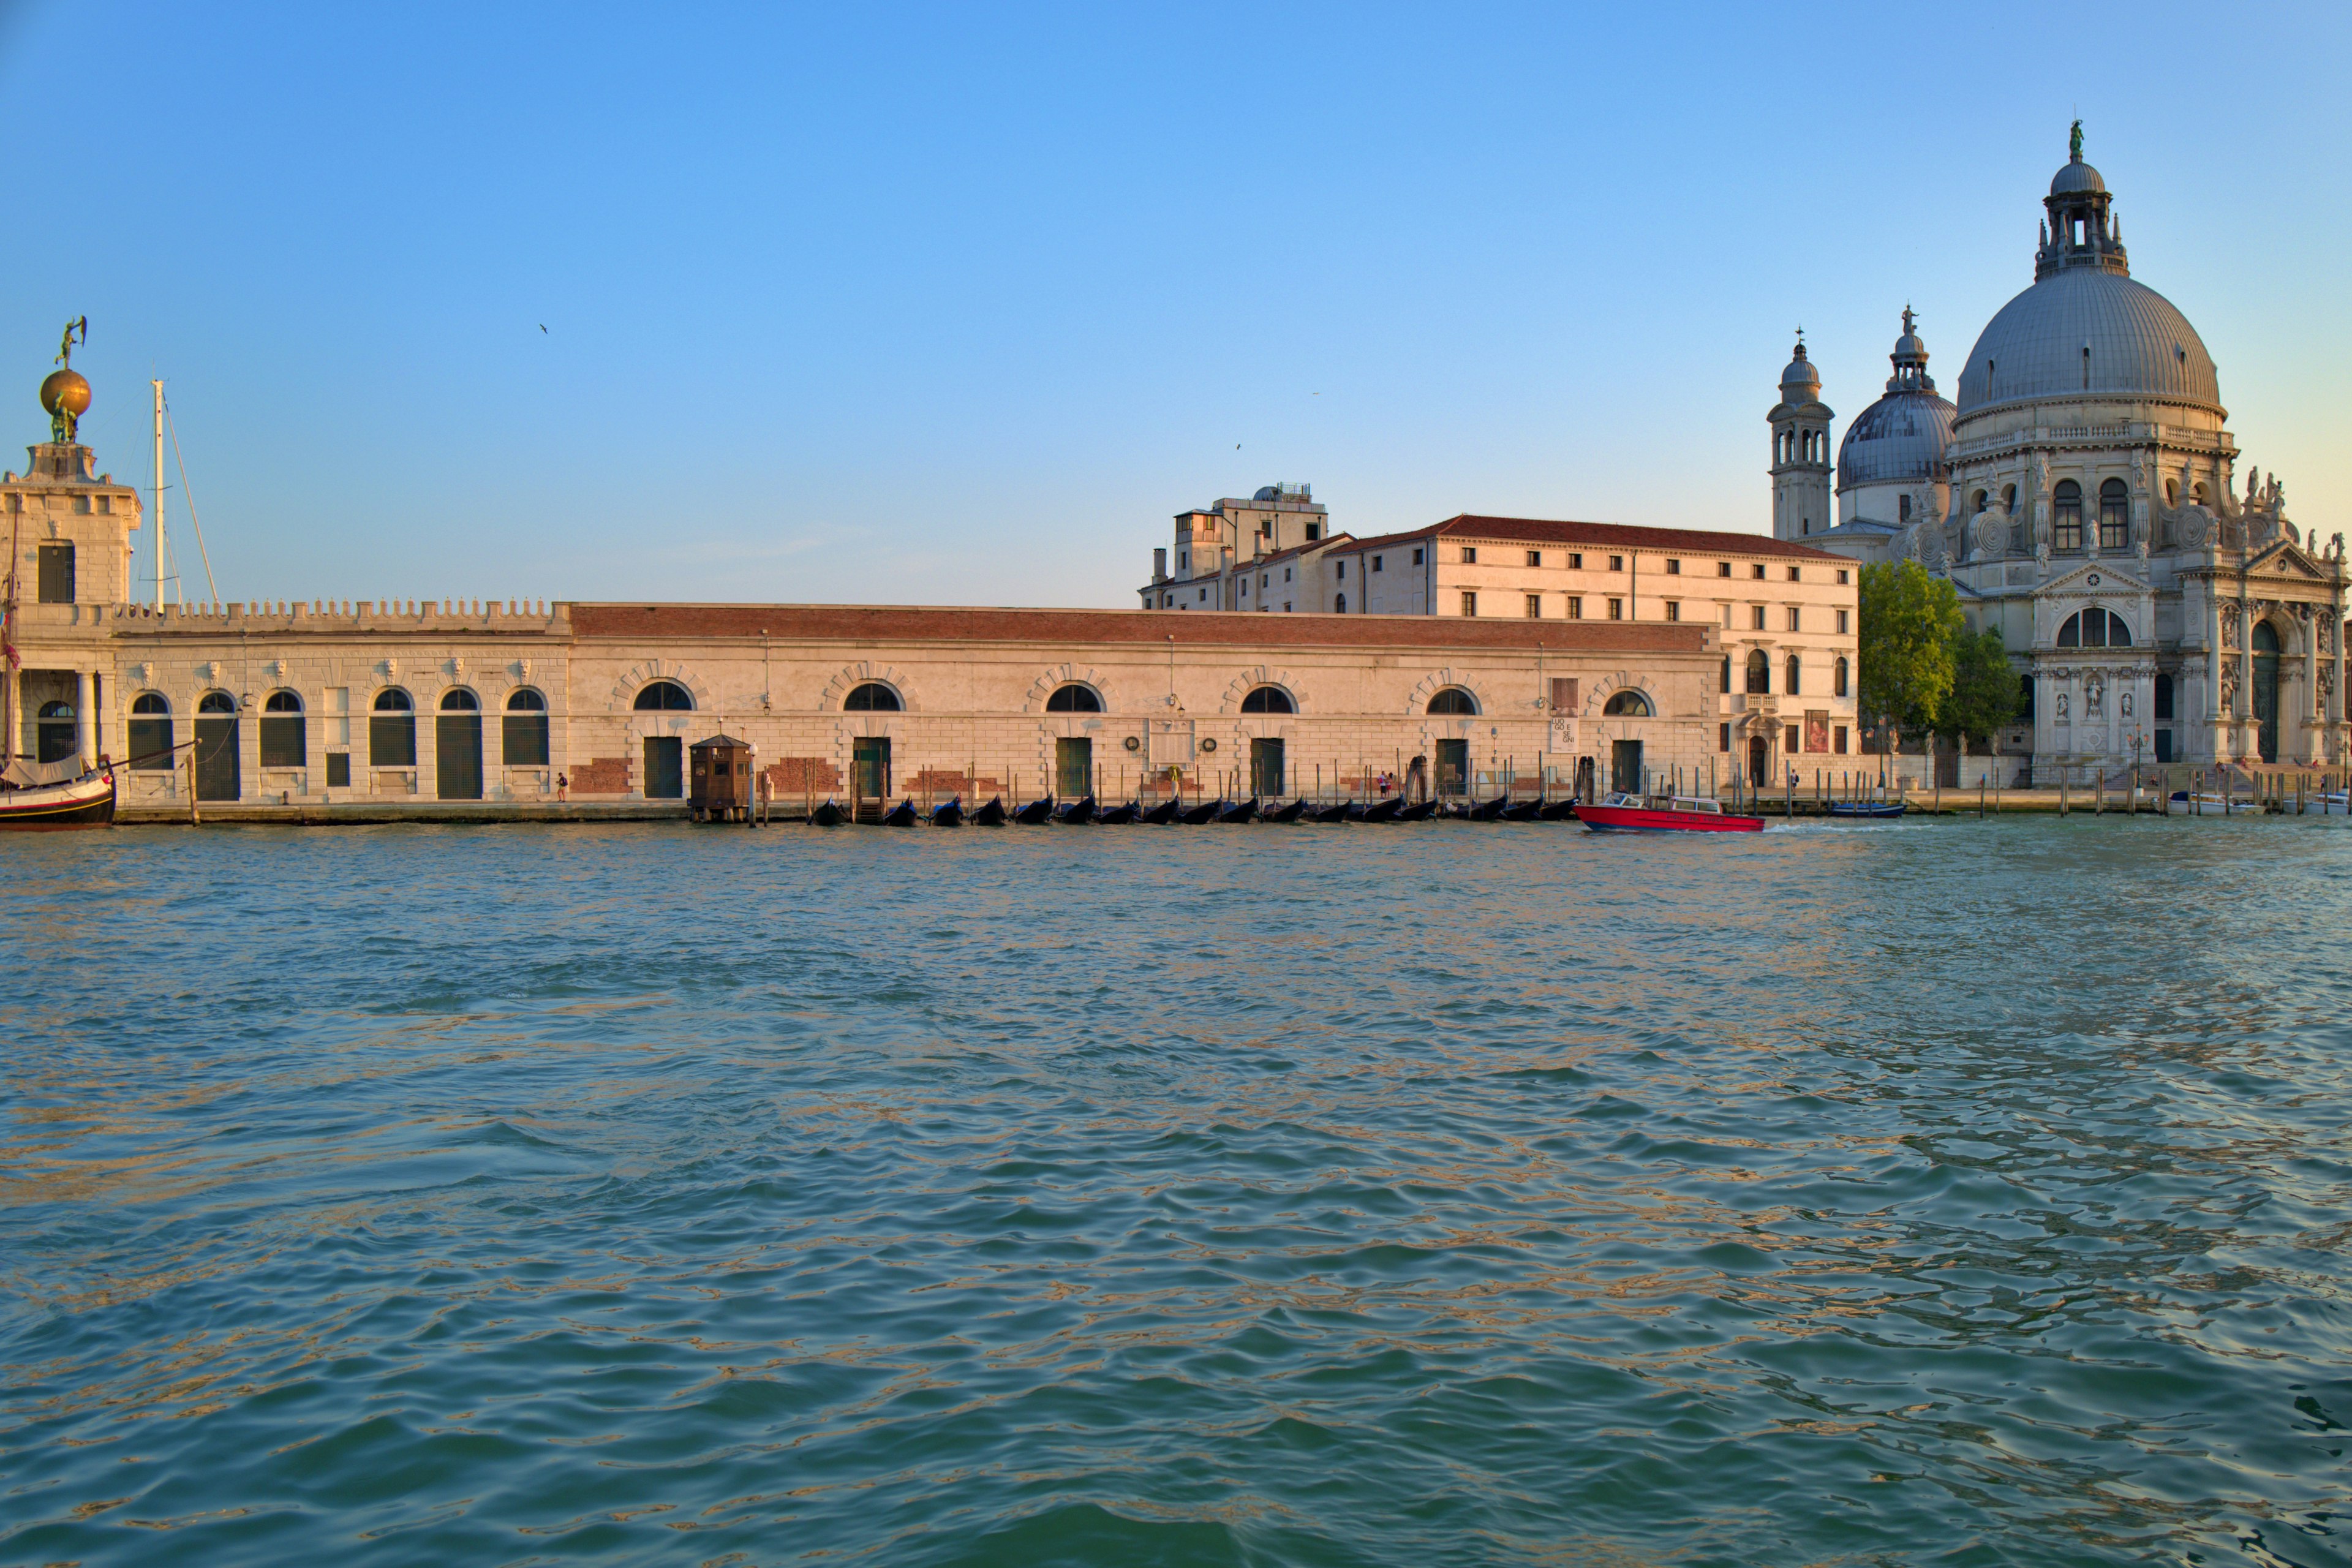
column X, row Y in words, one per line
column 2082, row 496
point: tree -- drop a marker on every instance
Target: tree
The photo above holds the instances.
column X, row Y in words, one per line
column 1984, row 688
column 1911, row 622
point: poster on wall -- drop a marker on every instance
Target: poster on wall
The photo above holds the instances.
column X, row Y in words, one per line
column 1817, row 730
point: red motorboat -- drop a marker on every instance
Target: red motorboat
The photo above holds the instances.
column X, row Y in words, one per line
column 1623, row 813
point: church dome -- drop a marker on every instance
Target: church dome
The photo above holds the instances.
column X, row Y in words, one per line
column 1900, row 438
column 2086, row 332
column 2076, row 178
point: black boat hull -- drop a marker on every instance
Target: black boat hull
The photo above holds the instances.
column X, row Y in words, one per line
column 1291, row 813
column 949, row 814
column 1200, row 814
column 1035, row 813
column 1332, row 813
column 1118, row 816
column 1526, row 810
column 1384, row 810
column 902, row 815
column 829, row 815
column 1421, row 812
column 991, row 814
column 1560, row 811
column 1078, row 812
column 1163, row 814
column 1239, row 813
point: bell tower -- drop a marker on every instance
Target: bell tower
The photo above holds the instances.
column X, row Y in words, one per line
column 1800, row 452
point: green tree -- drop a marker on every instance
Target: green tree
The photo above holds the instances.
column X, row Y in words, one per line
column 1984, row 688
column 1911, row 622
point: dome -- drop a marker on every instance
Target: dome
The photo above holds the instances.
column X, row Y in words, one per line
column 1802, row 381
column 2076, row 178
column 2138, row 343
column 1899, row 439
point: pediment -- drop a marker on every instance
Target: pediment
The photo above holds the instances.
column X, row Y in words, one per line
column 2095, row 579
column 2284, row 558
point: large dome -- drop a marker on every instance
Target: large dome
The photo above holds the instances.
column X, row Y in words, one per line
column 2139, row 346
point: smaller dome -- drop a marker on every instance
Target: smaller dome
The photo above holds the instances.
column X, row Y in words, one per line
column 2076, row 178
column 1800, row 372
column 64, row 391
column 1267, row 492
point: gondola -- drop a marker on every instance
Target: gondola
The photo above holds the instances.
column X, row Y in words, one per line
column 1204, row 812
column 1866, row 810
column 84, row 802
column 1384, row 810
column 1560, row 811
column 991, row 814
column 1163, row 814
column 1239, row 813
column 1036, row 811
column 1077, row 813
column 902, row 815
column 949, row 813
column 829, row 815
column 1420, row 811
column 1490, row 810
column 1331, row 813
column 1526, row 810
column 1290, row 813
column 1118, row 815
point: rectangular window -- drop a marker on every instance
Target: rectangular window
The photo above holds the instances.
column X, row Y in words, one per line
column 1263, row 578
column 1416, row 557
column 1794, row 576
column 1793, row 617
column 1673, row 609
column 1760, row 617
column 1563, row 694
column 523, row 740
column 151, row 742
column 1205, row 596
column 1343, row 571
column 1469, row 604
column 1841, row 614
column 1837, row 740
column 1726, row 617
column 1758, row 571
column 1285, row 573
column 1535, row 607
column 1723, row 738
column 1575, row 608
column 339, row 770
column 57, row 575
column 1535, row 557
column 1840, row 577
column 1616, row 609
column 1723, row 568
column 282, row 741
column 1376, row 563
column 1673, row 567
column 1576, row 561
column 1616, row 563
column 1469, row 555
column 1314, row 532
column 1793, row 742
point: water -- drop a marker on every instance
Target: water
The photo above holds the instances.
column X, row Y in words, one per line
column 1950, row 1193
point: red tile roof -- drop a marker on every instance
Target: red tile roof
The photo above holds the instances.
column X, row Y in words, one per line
column 1624, row 536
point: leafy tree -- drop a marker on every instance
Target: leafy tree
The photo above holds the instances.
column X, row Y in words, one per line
column 1984, row 688
column 1910, row 622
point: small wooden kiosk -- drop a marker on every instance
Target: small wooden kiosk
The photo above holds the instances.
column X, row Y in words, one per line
column 719, row 789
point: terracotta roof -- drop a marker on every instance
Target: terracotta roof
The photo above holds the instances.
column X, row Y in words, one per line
column 1624, row 536
column 894, row 623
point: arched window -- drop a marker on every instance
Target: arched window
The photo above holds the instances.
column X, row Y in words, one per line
column 872, row 698
column 2164, row 696
column 2266, row 640
column 1981, row 501
column 458, row 699
column 150, row 735
column 525, row 728
column 1340, row 605
column 1791, row 685
column 2067, row 516
column 1074, row 699
column 58, row 734
column 1839, row 684
column 2114, row 516
column 1269, row 699
column 392, row 730
column 667, row 697
column 1626, row 704
column 1452, row 700
column 2095, row 628
column 222, row 702
column 1759, row 673
column 282, row 736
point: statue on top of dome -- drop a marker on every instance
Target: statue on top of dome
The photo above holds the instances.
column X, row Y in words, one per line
column 2074, row 141
column 65, row 349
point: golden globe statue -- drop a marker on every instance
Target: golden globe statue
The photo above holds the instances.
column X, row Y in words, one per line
column 65, row 394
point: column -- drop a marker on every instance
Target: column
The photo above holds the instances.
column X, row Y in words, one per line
column 2242, row 728
column 85, row 718
column 2334, row 716
column 2314, row 715
column 2214, row 673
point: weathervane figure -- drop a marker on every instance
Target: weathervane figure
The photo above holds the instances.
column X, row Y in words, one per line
column 2075, row 141
column 66, row 348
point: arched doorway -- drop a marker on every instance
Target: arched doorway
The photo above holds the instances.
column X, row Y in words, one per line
column 457, row 746
column 2266, row 685
column 217, row 777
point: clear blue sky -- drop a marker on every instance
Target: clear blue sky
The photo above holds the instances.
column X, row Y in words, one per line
column 959, row 305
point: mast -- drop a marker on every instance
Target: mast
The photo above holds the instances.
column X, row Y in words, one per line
column 159, row 497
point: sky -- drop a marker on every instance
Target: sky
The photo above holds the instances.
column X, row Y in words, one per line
column 962, row 304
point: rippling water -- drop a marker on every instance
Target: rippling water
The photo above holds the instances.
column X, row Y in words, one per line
column 1952, row 1193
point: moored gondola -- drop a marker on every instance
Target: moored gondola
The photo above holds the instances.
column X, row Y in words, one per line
column 1118, row 815
column 991, row 814
column 902, row 815
column 1077, row 813
column 1036, row 811
column 1384, row 810
column 1524, row 810
column 829, row 815
column 1420, row 811
column 1489, row 810
column 1204, row 812
column 1163, row 814
column 1239, row 813
column 1560, row 811
column 949, row 813
column 1332, row 813
column 1290, row 813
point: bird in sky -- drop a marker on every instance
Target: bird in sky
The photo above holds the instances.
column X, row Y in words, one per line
column 542, row 326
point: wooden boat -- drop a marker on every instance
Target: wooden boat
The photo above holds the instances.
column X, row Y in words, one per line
column 1420, row 811
column 1077, row 813
column 1623, row 813
column 1383, row 810
column 1490, row 810
column 1332, row 813
column 1166, row 812
column 1560, row 811
column 1243, row 813
column 949, row 813
column 1524, row 810
column 1036, row 811
column 1204, row 812
column 991, row 814
column 1290, row 813
column 829, row 815
column 1118, row 815
column 84, row 802
column 1866, row 810
column 902, row 815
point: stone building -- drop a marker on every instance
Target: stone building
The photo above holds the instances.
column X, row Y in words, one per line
column 2082, row 497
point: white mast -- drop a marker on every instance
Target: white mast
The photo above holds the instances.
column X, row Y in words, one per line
column 159, row 497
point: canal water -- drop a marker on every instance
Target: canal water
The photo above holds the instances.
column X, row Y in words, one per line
column 1950, row 1193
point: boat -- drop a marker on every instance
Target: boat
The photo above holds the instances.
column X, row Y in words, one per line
column 902, row 815
column 84, row 802
column 1037, row 811
column 1383, row 810
column 1490, row 810
column 1119, row 816
column 1621, row 812
column 1163, row 814
column 2339, row 804
column 1560, row 811
column 1291, row 813
column 949, row 813
column 991, row 814
column 1243, row 813
column 829, row 815
column 1077, row 813
column 1420, row 811
column 1526, row 810
column 2209, row 804
column 1331, row 813
column 1866, row 810
column 1204, row 812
